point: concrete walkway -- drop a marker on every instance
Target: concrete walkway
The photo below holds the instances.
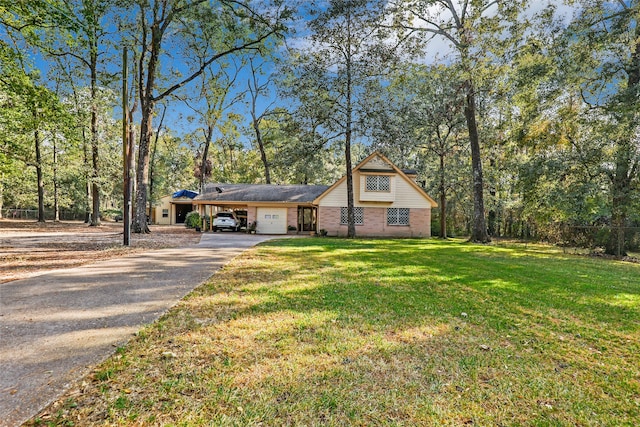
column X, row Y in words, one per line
column 55, row 327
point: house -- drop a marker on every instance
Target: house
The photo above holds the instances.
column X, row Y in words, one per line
column 276, row 209
column 173, row 208
column 387, row 201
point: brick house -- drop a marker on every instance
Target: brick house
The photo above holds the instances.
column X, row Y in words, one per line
column 387, row 200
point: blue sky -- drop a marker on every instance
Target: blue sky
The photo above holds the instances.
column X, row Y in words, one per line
column 175, row 62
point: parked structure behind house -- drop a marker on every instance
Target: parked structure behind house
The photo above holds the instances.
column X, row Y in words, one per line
column 173, row 208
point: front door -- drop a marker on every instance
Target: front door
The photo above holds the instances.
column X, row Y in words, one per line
column 181, row 212
column 306, row 219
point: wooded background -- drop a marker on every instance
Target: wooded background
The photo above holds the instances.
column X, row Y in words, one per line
column 521, row 118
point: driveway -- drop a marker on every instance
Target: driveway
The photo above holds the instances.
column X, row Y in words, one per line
column 54, row 328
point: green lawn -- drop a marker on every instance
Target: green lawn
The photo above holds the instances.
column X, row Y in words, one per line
column 337, row 332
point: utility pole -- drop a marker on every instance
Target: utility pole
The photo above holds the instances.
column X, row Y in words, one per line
column 126, row 187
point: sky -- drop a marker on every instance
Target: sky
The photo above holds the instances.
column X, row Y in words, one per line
column 174, row 62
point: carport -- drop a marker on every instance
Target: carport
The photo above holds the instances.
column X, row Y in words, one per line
column 272, row 209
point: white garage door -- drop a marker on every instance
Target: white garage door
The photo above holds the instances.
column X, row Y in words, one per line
column 272, row 221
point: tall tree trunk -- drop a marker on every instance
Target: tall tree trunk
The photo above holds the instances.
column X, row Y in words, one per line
column 263, row 153
column 350, row 205
column 147, row 104
column 255, row 120
column 153, row 159
column 87, row 176
column 621, row 195
column 151, row 170
column 56, row 208
column 205, row 156
column 479, row 230
column 147, row 107
column 95, row 181
column 443, row 201
column 627, row 163
column 142, row 170
column 131, row 154
column 36, row 138
column 351, row 231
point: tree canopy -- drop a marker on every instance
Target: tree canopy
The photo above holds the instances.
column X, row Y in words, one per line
column 521, row 117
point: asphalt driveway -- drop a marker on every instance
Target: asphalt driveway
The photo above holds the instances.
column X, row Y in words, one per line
column 55, row 327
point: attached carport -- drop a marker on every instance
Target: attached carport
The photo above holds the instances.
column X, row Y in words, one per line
column 270, row 209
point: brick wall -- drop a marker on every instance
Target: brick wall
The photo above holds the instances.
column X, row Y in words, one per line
column 375, row 223
column 251, row 214
column 329, row 220
column 292, row 217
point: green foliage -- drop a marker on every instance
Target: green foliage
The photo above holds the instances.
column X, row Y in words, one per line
column 557, row 105
column 193, row 220
column 173, row 165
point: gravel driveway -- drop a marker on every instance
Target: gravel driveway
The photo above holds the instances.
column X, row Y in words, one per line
column 54, row 328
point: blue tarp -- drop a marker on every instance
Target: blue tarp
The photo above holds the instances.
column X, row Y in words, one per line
column 184, row 193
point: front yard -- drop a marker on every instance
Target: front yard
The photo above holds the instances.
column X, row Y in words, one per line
column 323, row 331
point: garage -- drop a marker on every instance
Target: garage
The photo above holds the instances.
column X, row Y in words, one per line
column 271, row 221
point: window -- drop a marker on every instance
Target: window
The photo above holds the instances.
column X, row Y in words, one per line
column 358, row 216
column 378, row 183
column 397, row 216
column 165, row 213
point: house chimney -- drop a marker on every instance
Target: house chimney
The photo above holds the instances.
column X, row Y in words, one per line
column 412, row 174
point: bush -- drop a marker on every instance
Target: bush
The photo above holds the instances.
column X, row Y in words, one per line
column 111, row 214
column 193, row 220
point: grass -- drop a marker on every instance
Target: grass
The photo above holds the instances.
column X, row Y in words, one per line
column 384, row 332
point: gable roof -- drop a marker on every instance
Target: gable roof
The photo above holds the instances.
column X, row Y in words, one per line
column 392, row 167
column 261, row 193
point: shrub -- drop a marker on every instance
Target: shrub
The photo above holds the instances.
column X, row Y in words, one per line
column 193, row 220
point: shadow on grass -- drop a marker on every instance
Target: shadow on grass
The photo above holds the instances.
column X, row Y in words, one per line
column 401, row 281
column 393, row 332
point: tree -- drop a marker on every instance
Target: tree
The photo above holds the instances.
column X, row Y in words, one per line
column 604, row 40
column 298, row 152
column 210, row 107
column 173, row 164
column 235, row 27
column 88, row 15
column 419, row 117
column 256, row 89
column 476, row 32
column 438, row 110
column 72, row 30
column 345, row 51
column 29, row 112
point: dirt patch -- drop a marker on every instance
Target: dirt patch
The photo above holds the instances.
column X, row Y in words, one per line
column 28, row 248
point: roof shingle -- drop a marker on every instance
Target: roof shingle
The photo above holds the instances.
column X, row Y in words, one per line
column 261, row 193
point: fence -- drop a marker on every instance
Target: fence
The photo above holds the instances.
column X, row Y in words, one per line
column 614, row 240
column 32, row 214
